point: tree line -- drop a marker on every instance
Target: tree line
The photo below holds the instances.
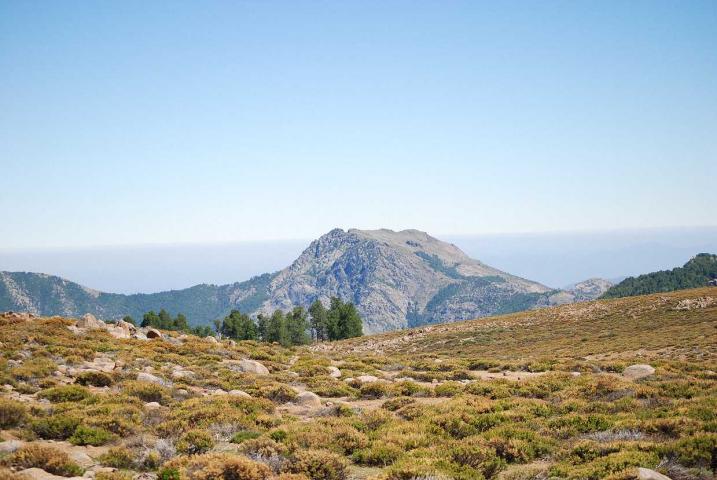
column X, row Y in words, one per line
column 296, row 327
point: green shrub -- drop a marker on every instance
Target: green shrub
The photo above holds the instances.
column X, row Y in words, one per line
column 55, row 427
column 169, row 474
column 374, row 389
column 448, row 389
column 12, row 413
column 147, row 392
column 697, row 451
column 65, row 393
column 118, row 457
column 84, row 435
column 473, row 453
column 244, row 435
column 96, row 379
column 378, row 454
column 195, row 442
column 319, row 465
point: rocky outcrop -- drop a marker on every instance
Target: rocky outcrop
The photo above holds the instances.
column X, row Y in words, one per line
column 636, row 372
column 590, row 289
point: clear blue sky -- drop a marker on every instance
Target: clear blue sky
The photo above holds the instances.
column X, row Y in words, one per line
column 139, row 122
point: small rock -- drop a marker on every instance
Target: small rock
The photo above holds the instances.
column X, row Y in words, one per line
column 10, row 446
column 647, row 474
column 145, row 476
column 575, row 374
column 152, row 405
column 252, row 366
column 39, row 474
column 211, row 339
column 334, row 372
column 367, row 378
column 308, row 399
column 148, row 377
column 636, row 372
column 239, row 393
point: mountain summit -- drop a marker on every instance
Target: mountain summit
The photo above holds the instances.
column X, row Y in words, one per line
column 395, row 279
column 401, row 279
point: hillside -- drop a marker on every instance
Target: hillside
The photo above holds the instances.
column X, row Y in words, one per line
column 586, row 391
column 396, row 280
column 697, row 272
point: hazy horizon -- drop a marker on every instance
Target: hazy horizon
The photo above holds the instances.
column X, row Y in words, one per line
column 556, row 259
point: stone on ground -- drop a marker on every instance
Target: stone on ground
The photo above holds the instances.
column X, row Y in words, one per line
column 647, row 474
column 308, row 399
column 636, row 372
column 334, row 372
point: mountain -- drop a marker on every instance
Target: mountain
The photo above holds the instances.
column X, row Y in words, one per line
column 396, row 280
column 697, row 272
column 589, row 289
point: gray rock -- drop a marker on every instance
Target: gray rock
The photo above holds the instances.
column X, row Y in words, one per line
column 647, row 474
column 252, row 366
column 153, row 333
column 152, row 406
column 39, row 474
column 9, row 446
column 366, row 378
column 334, row 372
column 308, row 399
column 148, row 377
column 239, row 393
column 636, row 372
column 89, row 321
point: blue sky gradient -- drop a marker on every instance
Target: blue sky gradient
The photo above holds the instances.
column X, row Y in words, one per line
column 133, row 122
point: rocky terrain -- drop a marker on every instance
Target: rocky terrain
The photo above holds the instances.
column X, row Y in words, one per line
column 396, row 280
column 611, row 389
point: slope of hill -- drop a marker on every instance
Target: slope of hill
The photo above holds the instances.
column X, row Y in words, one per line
column 585, row 391
column 396, row 280
column 697, row 272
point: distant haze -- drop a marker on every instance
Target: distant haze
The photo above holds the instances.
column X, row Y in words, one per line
column 555, row 259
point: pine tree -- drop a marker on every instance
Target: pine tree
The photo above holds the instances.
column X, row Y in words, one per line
column 262, row 322
column 165, row 320
column 319, row 320
column 180, row 323
column 150, row 319
column 297, row 324
column 276, row 329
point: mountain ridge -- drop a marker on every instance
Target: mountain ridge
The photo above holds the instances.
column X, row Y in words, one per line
column 396, row 279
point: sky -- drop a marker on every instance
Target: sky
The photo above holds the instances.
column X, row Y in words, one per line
column 137, row 123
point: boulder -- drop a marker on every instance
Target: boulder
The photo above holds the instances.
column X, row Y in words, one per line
column 39, row 474
column 10, row 446
column 636, row 372
column 252, row 366
column 211, row 339
column 367, row 378
column 152, row 406
column 148, row 377
column 153, row 333
column 90, row 321
column 308, row 399
column 334, row 372
column 128, row 327
column 239, row 393
column 647, row 474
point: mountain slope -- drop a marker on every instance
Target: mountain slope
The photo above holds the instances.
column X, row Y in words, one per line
column 401, row 279
column 697, row 272
column 396, row 280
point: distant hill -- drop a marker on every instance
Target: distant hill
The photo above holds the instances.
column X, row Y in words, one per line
column 396, row 280
column 695, row 273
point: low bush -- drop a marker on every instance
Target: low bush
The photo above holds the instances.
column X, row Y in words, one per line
column 96, row 379
column 147, row 392
column 84, row 435
column 55, row 427
column 214, row 466
column 244, row 435
column 47, row 458
column 12, row 413
column 319, row 465
column 65, row 393
column 118, row 457
column 195, row 442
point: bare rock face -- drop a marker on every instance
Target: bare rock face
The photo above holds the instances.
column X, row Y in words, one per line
column 590, row 289
column 636, row 372
column 647, row 474
column 399, row 279
column 308, row 399
column 89, row 321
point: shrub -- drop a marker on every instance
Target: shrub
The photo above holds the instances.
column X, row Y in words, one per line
column 47, row 458
column 96, row 379
column 146, row 391
column 374, row 389
column 168, row 474
column 215, row 466
column 394, row 404
column 319, row 465
column 84, row 435
column 65, row 393
column 113, row 476
column 698, row 451
column 118, row 457
column 244, row 435
column 12, row 413
column 281, row 394
column 55, row 427
column 476, row 455
column 448, row 389
column 195, row 442
column 378, row 454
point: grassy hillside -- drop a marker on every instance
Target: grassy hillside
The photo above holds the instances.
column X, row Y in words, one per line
column 540, row 394
column 694, row 274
